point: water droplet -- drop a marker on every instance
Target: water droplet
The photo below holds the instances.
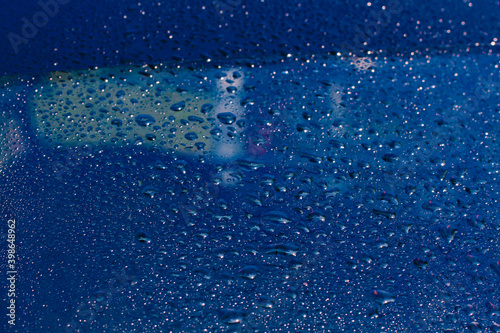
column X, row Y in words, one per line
column 383, row 297
column 196, row 119
column 284, row 249
column 150, row 191
column 145, row 120
column 248, row 165
column 266, row 302
column 226, row 118
column 143, row 237
column 276, row 217
column 448, row 233
column 116, row 122
column 231, row 316
column 206, row 108
column 420, row 263
column 178, row 106
column 386, row 214
column 120, row 94
column 431, row 207
column 249, row 272
column 191, row 136
column 232, row 89
column 159, row 165
column 247, row 101
column 390, row 158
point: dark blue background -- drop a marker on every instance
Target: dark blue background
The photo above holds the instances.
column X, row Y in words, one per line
column 96, row 33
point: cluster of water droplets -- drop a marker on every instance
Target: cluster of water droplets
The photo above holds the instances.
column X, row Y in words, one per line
column 323, row 198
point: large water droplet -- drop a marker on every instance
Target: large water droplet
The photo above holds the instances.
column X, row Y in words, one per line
column 226, row 118
column 191, row 136
column 178, row 106
column 383, row 297
column 145, row 120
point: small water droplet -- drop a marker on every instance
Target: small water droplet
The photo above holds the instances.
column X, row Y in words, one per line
column 249, row 272
column 143, row 237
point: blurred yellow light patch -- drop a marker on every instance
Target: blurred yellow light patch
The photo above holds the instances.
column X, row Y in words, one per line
column 100, row 107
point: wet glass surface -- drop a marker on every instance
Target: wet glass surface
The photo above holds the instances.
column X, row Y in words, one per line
column 287, row 192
